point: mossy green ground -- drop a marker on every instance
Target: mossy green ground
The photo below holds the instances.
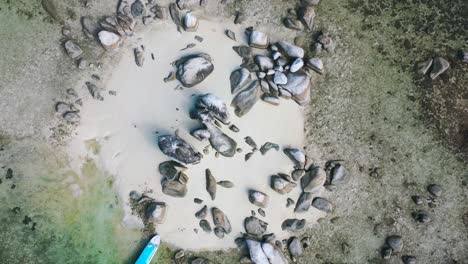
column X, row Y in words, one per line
column 367, row 109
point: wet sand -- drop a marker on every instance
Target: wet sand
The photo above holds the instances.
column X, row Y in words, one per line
column 127, row 125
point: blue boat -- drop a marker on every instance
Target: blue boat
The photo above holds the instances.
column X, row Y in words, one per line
column 149, row 251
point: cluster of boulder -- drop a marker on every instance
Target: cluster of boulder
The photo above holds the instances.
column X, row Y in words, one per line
column 283, row 73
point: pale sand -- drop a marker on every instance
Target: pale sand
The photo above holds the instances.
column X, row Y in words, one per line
column 125, row 126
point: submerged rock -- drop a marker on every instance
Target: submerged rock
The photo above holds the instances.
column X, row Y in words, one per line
column 239, row 78
column 259, row 40
column 246, row 99
column 210, row 184
column 220, row 220
column 298, row 85
column 254, row 226
column 293, row 225
column 156, row 212
column 193, row 69
column 178, row 149
column 258, row 198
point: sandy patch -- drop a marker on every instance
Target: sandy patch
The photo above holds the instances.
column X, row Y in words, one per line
column 126, row 126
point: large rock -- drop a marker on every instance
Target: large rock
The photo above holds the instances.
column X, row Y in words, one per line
column 255, row 251
column 220, row 220
column 258, row 198
column 298, row 85
column 313, row 180
column 210, row 184
column 281, row 185
column 190, row 22
column 110, row 40
column 293, row 225
column 239, row 78
column 193, row 69
column 296, row 156
column 215, row 106
column 290, row 50
column 156, row 212
column 259, row 40
column 73, row 50
column 274, row 254
column 178, row 149
column 221, row 142
column 254, row 226
column 306, row 15
column 304, row 202
column 246, row 99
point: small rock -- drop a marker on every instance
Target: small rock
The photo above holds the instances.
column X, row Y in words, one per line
column 306, row 15
column 423, row 67
column 174, row 187
column 264, row 63
column 246, row 99
column 226, row 184
column 200, row 261
column 248, row 156
column 418, row 200
column 273, row 100
column 239, row 78
column 408, row 259
column 267, row 146
column 293, row 225
column 297, row 174
column 73, row 50
column 219, row 232
column 440, row 65
column 258, row 198
column 255, row 251
column 327, row 42
column 273, row 253
column 304, row 202
column 295, row 247
column 240, row 17
column 234, row 128
column 156, row 212
column 296, row 156
column 71, row 116
column 254, row 226
column 62, row 107
column 160, row 12
column 135, row 196
column 395, row 242
column 283, row 93
column 296, row 65
column 281, row 185
column 82, row 63
column 292, row 23
column 137, row 8
column 201, row 214
column 261, row 75
column 289, row 202
column 290, row 50
column 338, row 175
column 179, row 254
column 210, row 184
column 110, row 40
column 261, row 212
column 306, row 242
column 280, row 78
column 230, row 34
column 243, row 51
column 201, row 134
column 386, row 252
column 197, row 200
column 435, row 190
column 322, row 204
column 421, row 216
column 220, row 220
column 221, row 142
column 313, row 180
column 215, row 106
column 205, row 226
column 315, row 64
column 190, row 22
column 170, row 169
column 249, row 141
column 259, row 40
column 139, row 57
